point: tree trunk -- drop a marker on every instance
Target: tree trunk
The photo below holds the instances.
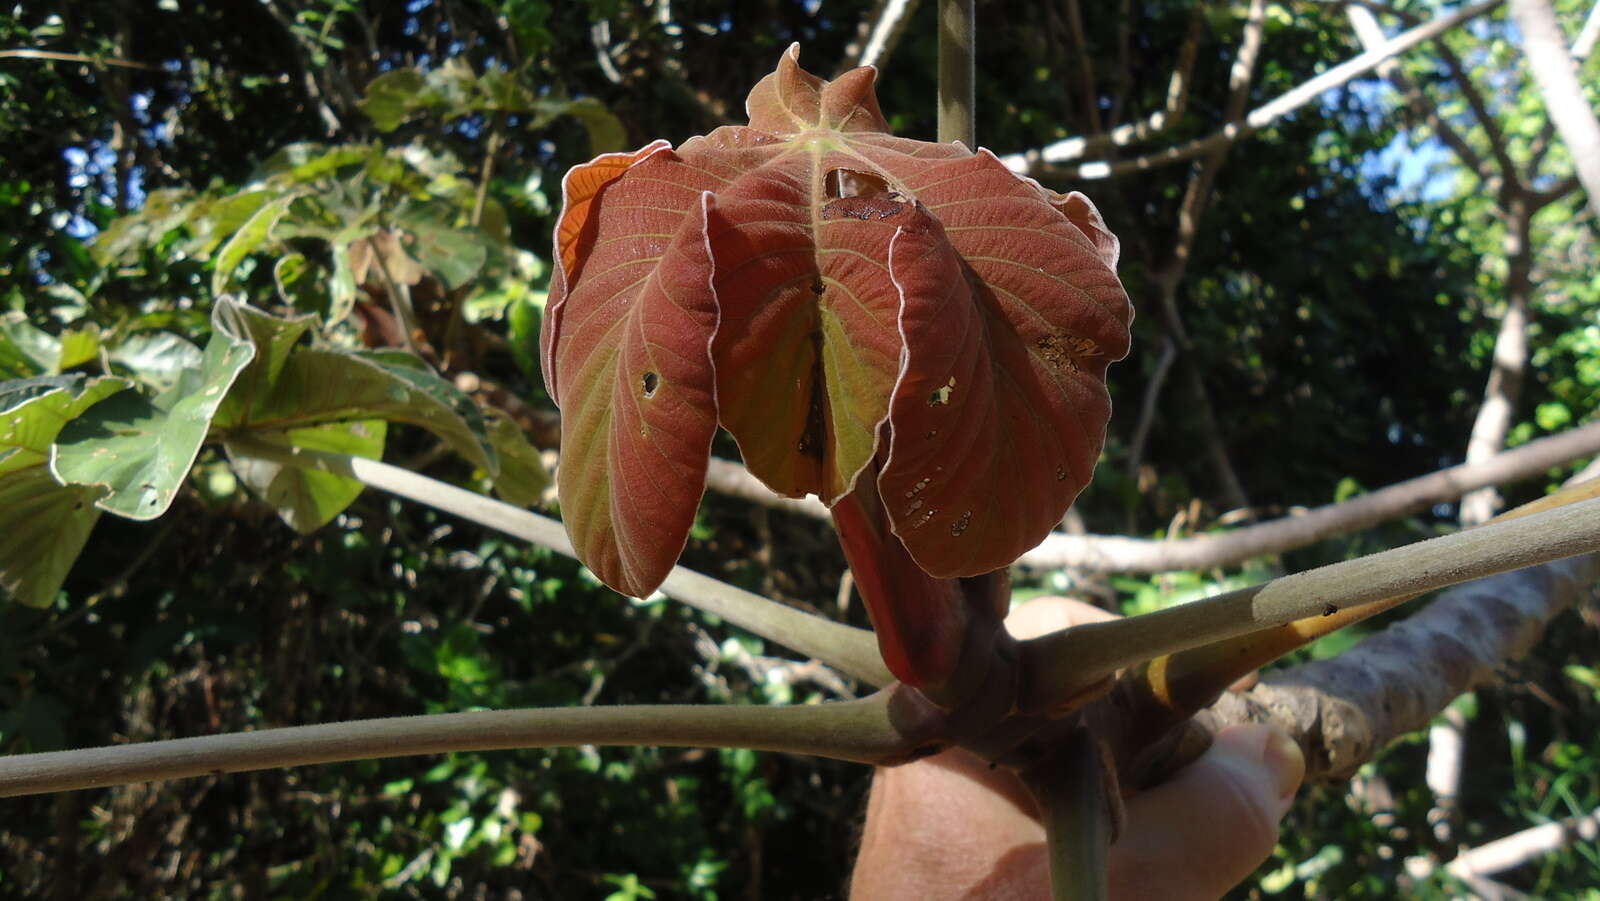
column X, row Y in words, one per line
column 1510, row 360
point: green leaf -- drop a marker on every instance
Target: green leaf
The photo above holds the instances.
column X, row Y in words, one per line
column 342, row 286
column 454, row 254
column 78, row 346
column 306, row 162
column 302, row 284
column 164, row 210
column 141, row 448
column 503, row 91
column 46, row 523
column 307, row 499
column 32, row 412
column 392, row 97
column 220, row 219
column 311, row 386
column 273, row 338
column 452, row 85
column 523, row 478
column 523, row 318
column 157, row 358
column 606, row 133
column 1552, row 416
column 26, row 350
column 447, row 412
column 251, row 235
column 14, row 361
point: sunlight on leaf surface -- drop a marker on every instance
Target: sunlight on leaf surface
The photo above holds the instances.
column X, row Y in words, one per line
column 829, row 294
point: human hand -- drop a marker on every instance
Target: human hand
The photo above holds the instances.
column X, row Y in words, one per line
column 950, row 827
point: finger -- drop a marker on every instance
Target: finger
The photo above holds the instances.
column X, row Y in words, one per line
column 1044, row 615
column 947, row 827
column 1200, row 834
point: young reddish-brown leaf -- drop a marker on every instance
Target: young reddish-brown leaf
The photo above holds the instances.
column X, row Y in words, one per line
column 1011, row 314
column 920, row 621
column 575, row 238
column 629, row 346
column 849, row 296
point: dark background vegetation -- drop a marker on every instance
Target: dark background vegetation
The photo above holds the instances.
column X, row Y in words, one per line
column 1341, row 319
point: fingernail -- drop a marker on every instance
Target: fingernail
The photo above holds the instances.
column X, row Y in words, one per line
column 1283, row 757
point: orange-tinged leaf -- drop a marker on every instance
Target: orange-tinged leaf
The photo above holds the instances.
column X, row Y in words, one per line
column 575, row 231
column 640, row 403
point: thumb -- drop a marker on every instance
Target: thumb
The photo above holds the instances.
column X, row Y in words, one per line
column 1203, row 832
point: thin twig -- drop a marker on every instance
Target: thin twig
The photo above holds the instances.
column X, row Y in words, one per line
column 1447, row 744
column 600, row 37
column 1043, row 161
column 1117, row 553
column 1556, row 74
column 116, row 587
column 1150, row 126
column 399, row 295
column 1583, row 45
column 1111, row 553
column 1498, row 147
column 1086, row 79
column 1371, row 36
column 1124, row 80
column 304, row 46
column 1197, row 196
column 1526, row 846
column 1148, row 405
column 490, row 150
column 734, row 480
column 671, row 64
column 851, row 650
column 1507, row 368
column 877, row 35
column 1541, row 144
column 78, row 58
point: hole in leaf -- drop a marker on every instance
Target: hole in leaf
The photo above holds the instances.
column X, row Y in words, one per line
column 651, row 383
column 961, row 523
column 839, row 183
column 941, row 396
column 859, row 195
